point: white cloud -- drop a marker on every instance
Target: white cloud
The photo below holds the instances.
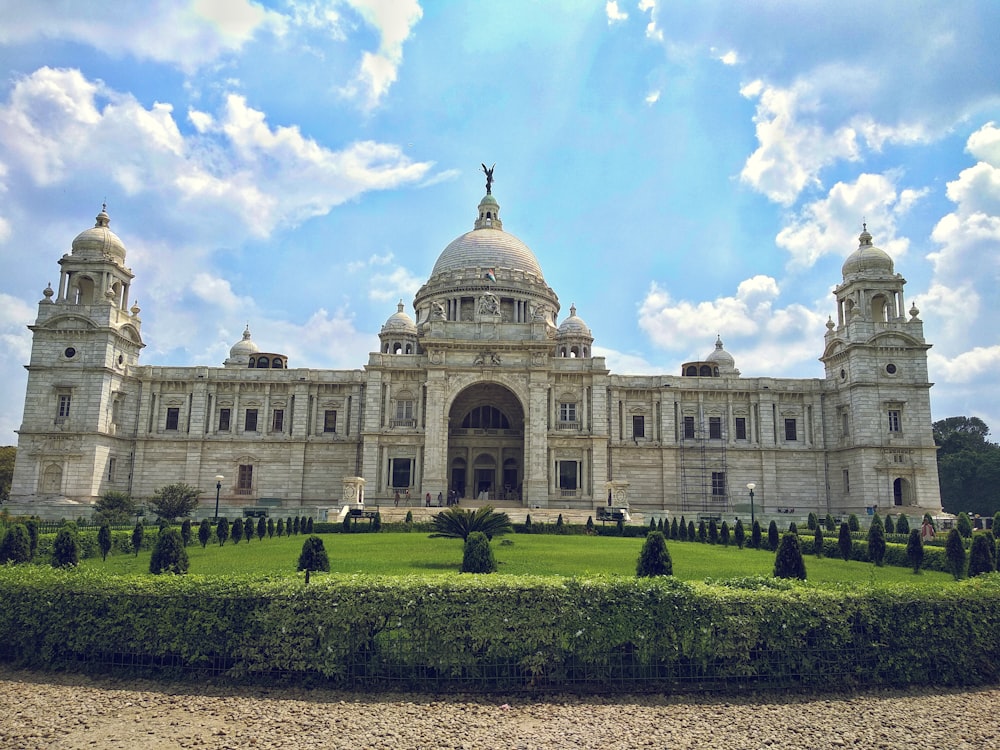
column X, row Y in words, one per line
column 399, row 283
column 237, row 175
column 798, row 137
column 984, row 144
column 653, row 97
column 219, row 292
column 981, row 362
column 614, row 13
column 730, row 58
column 826, row 226
column 394, row 21
column 188, row 35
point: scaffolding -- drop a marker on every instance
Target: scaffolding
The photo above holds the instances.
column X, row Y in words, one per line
column 703, row 470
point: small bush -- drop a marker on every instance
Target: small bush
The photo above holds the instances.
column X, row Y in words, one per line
column 16, row 545
column 852, row 523
column 66, row 549
column 280, row 529
column 954, row 551
column 772, row 536
column 674, row 532
column 137, row 533
column 788, row 562
column 739, row 534
column 755, row 536
column 818, row 541
column 876, row 541
column 104, row 541
column 702, row 532
column 964, row 525
column 204, row 532
column 236, row 532
column 691, row 530
column 981, row 555
column 683, row 531
column 477, row 555
column 261, row 528
column 590, row 524
column 890, row 527
column 845, row 542
column 914, row 550
column 270, row 528
column 222, row 530
column 902, row 524
column 169, row 555
column 812, row 522
column 654, row 559
column 724, row 534
column 713, row 532
column 313, row 557
column 831, row 525
column 186, row 531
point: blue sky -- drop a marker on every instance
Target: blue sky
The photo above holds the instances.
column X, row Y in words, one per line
column 681, row 170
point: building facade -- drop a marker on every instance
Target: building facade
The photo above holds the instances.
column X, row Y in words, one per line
column 482, row 392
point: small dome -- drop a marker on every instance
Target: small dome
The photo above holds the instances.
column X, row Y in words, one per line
column 574, row 326
column 867, row 259
column 244, row 347
column 99, row 242
column 720, row 356
column 400, row 322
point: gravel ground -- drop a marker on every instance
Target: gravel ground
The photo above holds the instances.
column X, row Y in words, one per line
column 72, row 712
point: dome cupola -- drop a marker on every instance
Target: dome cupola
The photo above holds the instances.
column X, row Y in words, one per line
column 867, row 260
column 99, row 242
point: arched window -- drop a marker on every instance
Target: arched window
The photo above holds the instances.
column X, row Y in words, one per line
column 52, row 479
column 705, row 371
column 691, row 371
column 263, row 362
column 276, row 363
column 880, row 309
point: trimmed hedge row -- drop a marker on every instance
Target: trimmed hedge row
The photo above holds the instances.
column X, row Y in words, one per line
column 493, row 633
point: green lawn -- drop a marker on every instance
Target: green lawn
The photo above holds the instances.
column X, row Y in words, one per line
column 542, row 554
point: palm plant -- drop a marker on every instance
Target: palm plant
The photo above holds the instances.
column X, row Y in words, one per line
column 455, row 523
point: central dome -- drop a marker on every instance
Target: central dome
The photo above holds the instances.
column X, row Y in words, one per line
column 487, row 248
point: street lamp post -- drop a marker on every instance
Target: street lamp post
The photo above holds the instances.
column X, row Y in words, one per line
column 218, row 489
column 751, row 486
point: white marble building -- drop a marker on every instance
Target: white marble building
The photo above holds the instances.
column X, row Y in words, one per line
column 482, row 391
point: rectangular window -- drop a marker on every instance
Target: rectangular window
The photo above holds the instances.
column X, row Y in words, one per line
column 404, row 410
column 173, row 417
column 277, row 420
column 112, row 468
column 567, row 412
column 62, row 412
column 400, row 471
column 894, row 420
column 845, row 424
column 567, row 475
column 638, row 426
column 116, row 411
column 791, row 430
column 224, row 415
column 741, row 428
column 689, row 427
column 330, row 420
column 244, row 480
column 847, row 482
column 250, row 422
column 715, row 428
column 718, row 484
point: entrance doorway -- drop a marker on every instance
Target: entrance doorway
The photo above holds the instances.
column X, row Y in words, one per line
column 486, row 443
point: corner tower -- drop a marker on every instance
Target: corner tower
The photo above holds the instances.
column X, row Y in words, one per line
column 879, row 429
column 74, row 441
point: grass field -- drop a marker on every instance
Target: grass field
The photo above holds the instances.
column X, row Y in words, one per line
column 542, row 554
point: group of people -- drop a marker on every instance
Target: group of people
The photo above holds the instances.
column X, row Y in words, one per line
column 407, row 497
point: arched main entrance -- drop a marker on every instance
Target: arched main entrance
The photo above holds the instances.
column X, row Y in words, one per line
column 486, row 443
column 901, row 492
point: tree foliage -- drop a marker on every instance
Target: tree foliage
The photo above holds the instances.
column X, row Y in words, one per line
column 902, row 524
column 739, row 534
column 174, row 501
column 968, row 465
column 654, row 558
column 186, row 531
column 222, row 530
column 772, row 536
column 964, row 525
column 477, row 555
column 818, row 541
column 455, row 523
column 788, row 562
column 7, row 455
column 114, row 507
column 236, row 532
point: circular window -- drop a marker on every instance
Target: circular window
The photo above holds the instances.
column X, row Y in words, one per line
column 843, row 374
column 121, row 359
column 70, row 352
column 890, row 368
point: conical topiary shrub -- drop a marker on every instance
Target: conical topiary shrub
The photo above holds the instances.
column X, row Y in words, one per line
column 477, row 555
column 654, row 559
column 788, row 562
